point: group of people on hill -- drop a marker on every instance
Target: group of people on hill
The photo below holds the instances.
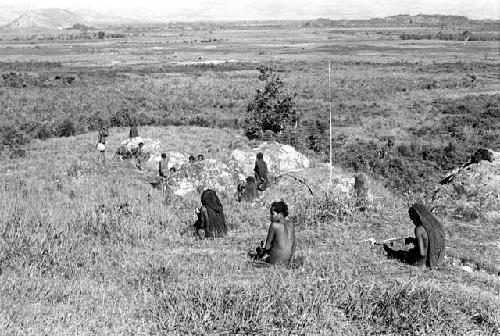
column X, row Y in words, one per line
column 279, row 247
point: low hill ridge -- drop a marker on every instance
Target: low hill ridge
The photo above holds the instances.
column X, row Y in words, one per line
column 50, row 18
column 420, row 20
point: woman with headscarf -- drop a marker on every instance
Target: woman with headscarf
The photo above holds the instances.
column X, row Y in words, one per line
column 211, row 216
column 429, row 241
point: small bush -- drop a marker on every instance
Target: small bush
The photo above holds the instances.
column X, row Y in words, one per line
column 199, row 121
column 66, row 128
column 122, row 118
column 43, row 132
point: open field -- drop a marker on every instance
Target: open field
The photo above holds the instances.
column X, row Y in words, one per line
column 382, row 87
column 73, row 261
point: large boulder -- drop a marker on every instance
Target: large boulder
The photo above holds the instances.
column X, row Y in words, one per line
column 471, row 192
column 151, row 153
column 206, row 174
column 128, row 146
column 295, row 187
column 175, row 160
column 279, row 158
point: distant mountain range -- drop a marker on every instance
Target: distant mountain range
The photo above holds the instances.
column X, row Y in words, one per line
column 55, row 18
column 437, row 21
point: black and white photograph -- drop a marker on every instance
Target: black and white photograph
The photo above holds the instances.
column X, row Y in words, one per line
column 250, row 167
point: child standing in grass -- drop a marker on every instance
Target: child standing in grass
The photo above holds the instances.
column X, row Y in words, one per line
column 101, row 144
column 280, row 241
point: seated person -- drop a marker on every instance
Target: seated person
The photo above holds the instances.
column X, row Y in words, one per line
column 201, row 157
column 211, row 222
column 429, row 242
column 248, row 191
column 280, row 241
column 261, row 171
column 191, row 159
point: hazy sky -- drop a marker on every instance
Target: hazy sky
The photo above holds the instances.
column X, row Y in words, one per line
column 279, row 9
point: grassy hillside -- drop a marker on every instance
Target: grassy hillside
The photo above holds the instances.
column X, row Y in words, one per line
column 85, row 250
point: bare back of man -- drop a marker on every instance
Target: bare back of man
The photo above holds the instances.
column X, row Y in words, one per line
column 280, row 242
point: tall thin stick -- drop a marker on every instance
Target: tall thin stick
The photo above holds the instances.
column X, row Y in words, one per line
column 330, row 103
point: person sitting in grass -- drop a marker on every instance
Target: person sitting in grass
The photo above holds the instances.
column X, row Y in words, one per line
column 201, row 157
column 211, row 222
column 247, row 192
column 260, row 171
column 192, row 159
column 280, row 241
column 429, row 241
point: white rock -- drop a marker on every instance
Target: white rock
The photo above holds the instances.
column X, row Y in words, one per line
column 206, row 174
column 279, row 158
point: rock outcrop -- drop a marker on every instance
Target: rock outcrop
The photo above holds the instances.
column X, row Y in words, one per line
column 471, row 192
column 295, row 187
column 279, row 158
column 128, row 146
column 175, row 159
column 206, row 174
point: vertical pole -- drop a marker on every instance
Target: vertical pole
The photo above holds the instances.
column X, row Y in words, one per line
column 330, row 107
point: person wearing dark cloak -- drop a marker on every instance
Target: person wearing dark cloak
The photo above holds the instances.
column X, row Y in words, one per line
column 163, row 166
column 429, row 240
column 249, row 191
column 261, row 172
column 211, row 219
column 280, row 242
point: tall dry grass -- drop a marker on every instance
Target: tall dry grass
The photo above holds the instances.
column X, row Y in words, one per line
column 84, row 250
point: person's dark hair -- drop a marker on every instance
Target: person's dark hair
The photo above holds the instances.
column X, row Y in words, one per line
column 141, row 144
column 201, row 157
column 260, row 156
column 412, row 212
column 191, row 158
column 280, row 207
column 163, row 155
column 173, row 170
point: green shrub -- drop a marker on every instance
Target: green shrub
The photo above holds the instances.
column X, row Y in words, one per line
column 272, row 109
column 122, row 118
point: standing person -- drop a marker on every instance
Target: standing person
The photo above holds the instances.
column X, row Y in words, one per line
column 101, row 144
column 163, row 171
column 280, row 241
column 137, row 153
column 261, row 172
column 211, row 218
